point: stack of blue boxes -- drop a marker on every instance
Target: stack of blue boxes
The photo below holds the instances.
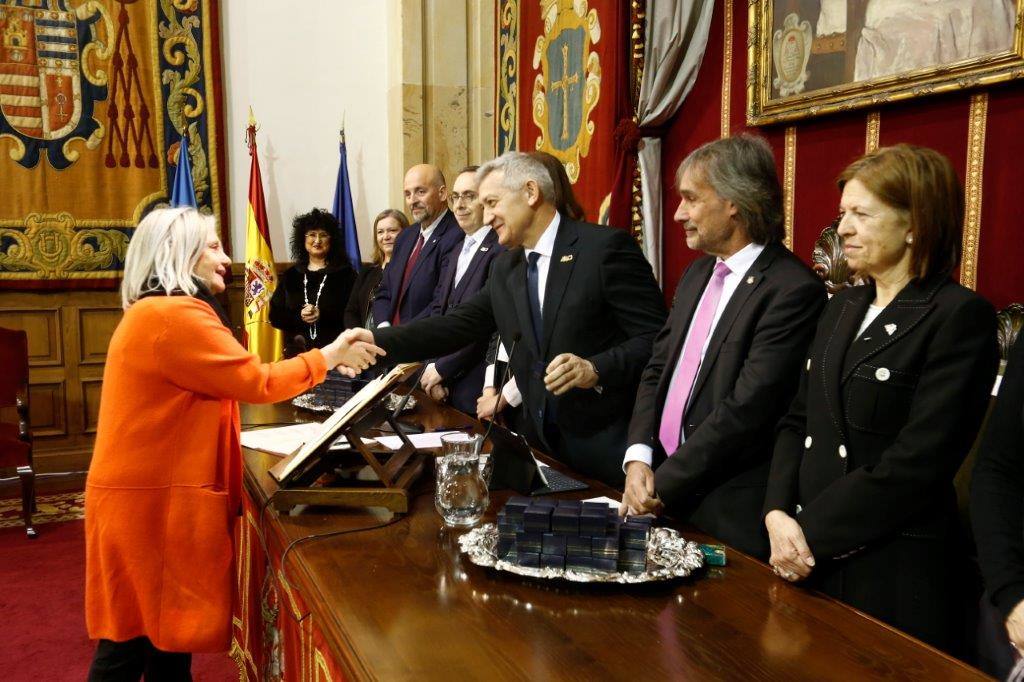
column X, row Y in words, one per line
column 571, row 535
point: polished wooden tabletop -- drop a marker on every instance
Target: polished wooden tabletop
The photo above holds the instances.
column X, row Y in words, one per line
column 399, row 602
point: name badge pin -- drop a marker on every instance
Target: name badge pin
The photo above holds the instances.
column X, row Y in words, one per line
column 566, row 258
column 485, row 248
column 890, row 329
column 750, row 280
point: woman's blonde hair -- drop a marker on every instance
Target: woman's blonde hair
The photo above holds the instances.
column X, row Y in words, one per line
column 163, row 253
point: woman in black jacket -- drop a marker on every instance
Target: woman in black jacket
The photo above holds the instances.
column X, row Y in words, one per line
column 386, row 227
column 860, row 499
column 309, row 302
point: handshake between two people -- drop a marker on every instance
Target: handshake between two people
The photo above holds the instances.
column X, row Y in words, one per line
column 352, row 352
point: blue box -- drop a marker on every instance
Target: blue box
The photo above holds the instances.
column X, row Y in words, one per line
column 595, row 507
column 528, row 543
column 604, row 548
column 552, row 561
column 528, row 560
column 603, row 565
column 633, row 536
column 565, row 520
column 543, row 502
column 632, row 561
column 577, row 546
column 570, row 504
column 537, row 520
column 552, row 543
column 593, row 523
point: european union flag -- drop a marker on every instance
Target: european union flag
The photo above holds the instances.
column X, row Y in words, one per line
column 343, row 211
column 183, row 193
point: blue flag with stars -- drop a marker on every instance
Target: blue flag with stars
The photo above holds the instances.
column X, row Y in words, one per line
column 183, row 193
column 343, row 211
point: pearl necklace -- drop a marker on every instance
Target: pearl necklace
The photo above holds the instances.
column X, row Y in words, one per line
column 316, row 302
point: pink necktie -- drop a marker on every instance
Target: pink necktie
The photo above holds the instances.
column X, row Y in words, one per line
column 671, row 429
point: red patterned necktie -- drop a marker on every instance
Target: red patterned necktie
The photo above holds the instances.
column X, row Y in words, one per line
column 671, row 429
column 396, row 318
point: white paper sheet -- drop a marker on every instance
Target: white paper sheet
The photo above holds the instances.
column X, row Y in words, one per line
column 284, row 440
column 421, row 441
column 607, row 500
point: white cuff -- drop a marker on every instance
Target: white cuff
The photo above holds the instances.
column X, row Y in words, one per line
column 383, row 324
column 431, row 366
column 502, row 353
column 489, row 376
column 511, row 392
column 638, row 452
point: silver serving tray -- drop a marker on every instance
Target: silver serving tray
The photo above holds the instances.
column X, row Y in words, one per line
column 668, row 556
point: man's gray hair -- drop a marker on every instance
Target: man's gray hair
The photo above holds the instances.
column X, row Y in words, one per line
column 741, row 170
column 519, row 168
column 163, row 253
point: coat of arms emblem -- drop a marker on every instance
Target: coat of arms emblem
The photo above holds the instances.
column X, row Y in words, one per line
column 566, row 90
column 47, row 87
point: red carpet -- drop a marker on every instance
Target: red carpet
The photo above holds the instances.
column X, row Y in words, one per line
column 42, row 622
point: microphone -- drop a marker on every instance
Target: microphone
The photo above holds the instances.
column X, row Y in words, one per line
column 504, row 380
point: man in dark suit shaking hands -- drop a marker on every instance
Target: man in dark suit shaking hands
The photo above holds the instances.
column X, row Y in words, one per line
column 726, row 364
column 579, row 300
column 421, row 252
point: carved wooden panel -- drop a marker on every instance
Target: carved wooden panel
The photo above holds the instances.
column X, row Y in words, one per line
column 95, row 327
column 48, row 409
column 45, row 343
column 91, row 389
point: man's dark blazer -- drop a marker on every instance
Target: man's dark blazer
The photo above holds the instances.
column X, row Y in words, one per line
column 463, row 370
column 716, row 479
column 866, row 457
column 419, row 291
column 600, row 302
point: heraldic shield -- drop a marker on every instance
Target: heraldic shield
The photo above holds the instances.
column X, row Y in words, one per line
column 47, row 93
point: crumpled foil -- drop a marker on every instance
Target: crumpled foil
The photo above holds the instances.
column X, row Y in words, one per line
column 316, row 403
column 669, row 556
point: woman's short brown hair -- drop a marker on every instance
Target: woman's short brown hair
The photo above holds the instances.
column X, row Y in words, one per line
column 920, row 183
column 378, row 254
column 564, row 199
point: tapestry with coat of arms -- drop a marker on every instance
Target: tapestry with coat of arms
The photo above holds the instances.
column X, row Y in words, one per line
column 94, row 97
column 556, row 87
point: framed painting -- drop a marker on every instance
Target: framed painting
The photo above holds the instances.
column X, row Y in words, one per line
column 810, row 57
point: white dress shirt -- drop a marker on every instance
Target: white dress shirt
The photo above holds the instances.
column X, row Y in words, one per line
column 470, row 245
column 545, row 246
column 426, row 232
column 738, row 264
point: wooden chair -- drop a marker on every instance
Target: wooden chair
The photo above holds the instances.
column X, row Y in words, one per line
column 15, row 436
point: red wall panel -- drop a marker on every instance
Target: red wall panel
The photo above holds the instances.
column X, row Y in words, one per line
column 826, row 144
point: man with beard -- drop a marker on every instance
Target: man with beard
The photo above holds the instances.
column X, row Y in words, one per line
column 421, row 252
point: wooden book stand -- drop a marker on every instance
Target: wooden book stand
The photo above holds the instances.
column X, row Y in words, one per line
column 395, row 470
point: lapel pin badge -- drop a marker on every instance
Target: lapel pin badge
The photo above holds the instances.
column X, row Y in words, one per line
column 566, row 258
column 750, row 280
column 485, row 248
column 890, row 329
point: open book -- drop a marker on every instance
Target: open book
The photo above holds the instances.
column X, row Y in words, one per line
column 347, row 414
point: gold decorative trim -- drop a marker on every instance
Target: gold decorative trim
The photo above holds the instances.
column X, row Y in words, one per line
column 727, row 69
column 972, row 191
column 873, row 129
column 507, row 92
column 789, row 184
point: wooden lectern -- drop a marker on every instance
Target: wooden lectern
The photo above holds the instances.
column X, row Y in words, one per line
column 299, row 475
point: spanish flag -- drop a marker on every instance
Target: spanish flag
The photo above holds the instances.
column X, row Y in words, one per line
column 260, row 276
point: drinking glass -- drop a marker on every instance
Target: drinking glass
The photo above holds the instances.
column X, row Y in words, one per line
column 460, row 492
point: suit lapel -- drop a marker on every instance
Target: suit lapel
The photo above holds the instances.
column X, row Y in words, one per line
column 516, row 282
column 897, row 319
column 749, row 282
column 482, row 254
column 560, row 268
column 834, row 352
column 429, row 246
column 684, row 306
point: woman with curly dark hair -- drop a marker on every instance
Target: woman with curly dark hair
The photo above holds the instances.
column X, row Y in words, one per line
column 309, row 302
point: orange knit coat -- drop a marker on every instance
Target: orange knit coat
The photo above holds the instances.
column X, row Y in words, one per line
column 164, row 486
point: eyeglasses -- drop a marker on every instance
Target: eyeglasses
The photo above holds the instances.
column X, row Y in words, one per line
column 468, row 197
column 317, row 236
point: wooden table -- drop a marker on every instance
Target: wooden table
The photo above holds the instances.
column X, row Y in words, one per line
column 399, row 602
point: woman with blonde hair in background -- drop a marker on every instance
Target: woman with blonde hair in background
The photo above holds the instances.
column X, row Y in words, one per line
column 165, row 484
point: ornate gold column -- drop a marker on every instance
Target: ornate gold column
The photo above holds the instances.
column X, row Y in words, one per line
column 727, row 68
column 972, row 191
column 789, row 184
column 874, row 125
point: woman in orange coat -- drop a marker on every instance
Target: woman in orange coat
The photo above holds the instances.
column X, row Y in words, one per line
column 164, row 486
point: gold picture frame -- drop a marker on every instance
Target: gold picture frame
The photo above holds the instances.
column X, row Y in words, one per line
column 813, row 57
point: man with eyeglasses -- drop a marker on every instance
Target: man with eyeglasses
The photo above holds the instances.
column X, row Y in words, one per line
column 421, row 252
column 460, row 375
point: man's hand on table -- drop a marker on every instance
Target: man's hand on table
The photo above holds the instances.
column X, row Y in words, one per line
column 639, row 496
